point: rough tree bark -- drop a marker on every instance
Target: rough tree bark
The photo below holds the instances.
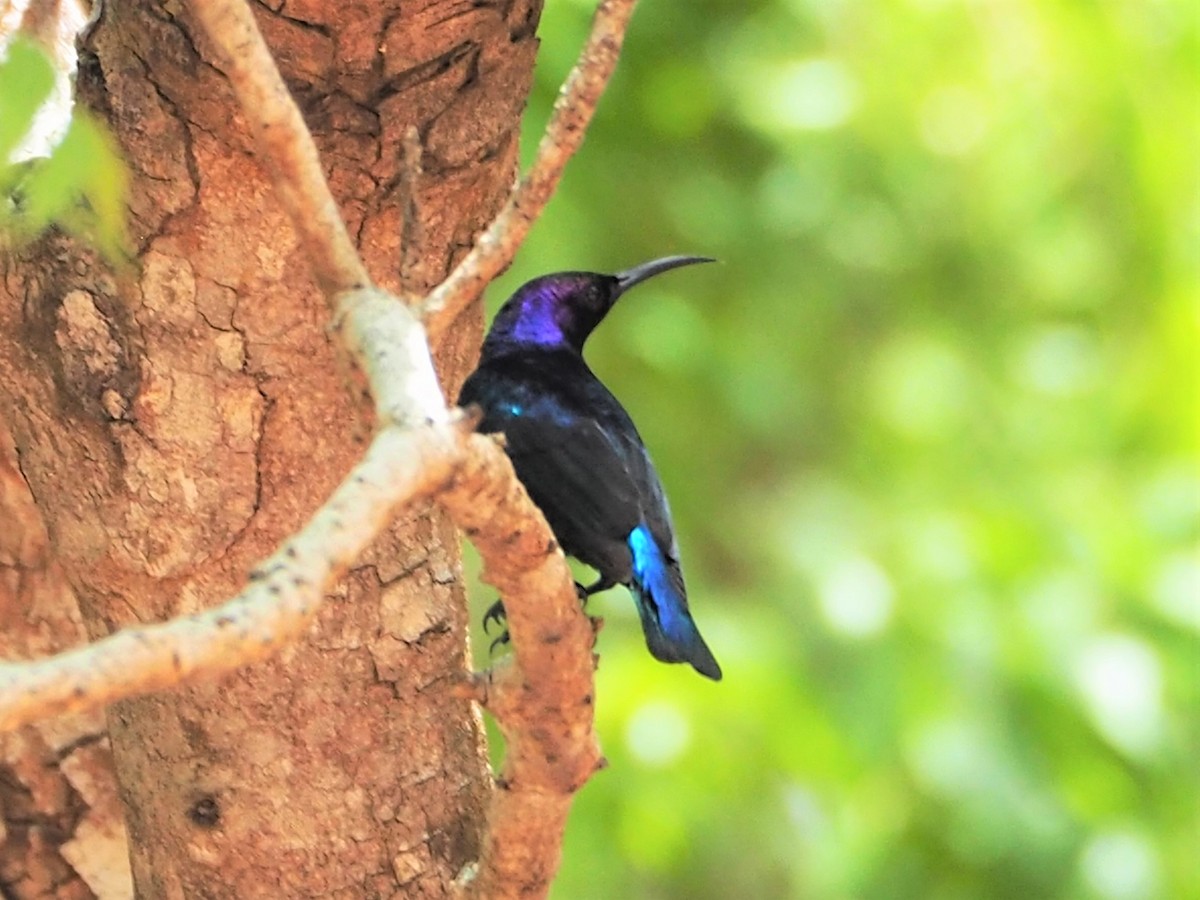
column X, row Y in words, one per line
column 173, row 423
column 62, row 828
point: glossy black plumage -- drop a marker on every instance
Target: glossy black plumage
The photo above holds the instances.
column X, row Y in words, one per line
column 579, row 454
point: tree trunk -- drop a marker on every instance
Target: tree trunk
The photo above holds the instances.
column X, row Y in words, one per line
column 62, row 832
column 176, row 421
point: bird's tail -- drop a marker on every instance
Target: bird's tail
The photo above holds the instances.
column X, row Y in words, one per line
column 671, row 633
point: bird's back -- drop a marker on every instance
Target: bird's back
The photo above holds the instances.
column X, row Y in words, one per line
column 575, row 449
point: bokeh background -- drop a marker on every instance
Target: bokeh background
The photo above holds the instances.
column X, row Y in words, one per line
column 930, row 435
column 929, row 431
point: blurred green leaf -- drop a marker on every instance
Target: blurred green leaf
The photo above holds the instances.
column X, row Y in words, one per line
column 26, row 79
column 80, row 187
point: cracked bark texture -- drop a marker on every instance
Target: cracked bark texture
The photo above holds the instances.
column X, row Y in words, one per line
column 62, row 833
column 174, row 422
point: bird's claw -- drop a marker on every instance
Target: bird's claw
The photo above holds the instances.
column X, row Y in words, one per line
column 495, row 613
column 601, row 584
column 499, row 642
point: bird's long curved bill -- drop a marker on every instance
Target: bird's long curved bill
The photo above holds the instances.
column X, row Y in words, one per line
column 638, row 274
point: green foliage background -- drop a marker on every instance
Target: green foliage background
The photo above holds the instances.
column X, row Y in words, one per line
column 930, row 435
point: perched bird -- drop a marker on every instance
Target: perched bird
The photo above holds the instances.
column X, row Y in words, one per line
column 578, row 453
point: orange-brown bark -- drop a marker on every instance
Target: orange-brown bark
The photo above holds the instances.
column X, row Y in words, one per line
column 62, row 829
column 174, row 423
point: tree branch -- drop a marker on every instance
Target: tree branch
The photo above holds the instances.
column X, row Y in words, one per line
column 577, row 101
column 544, row 701
column 283, row 596
column 283, row 140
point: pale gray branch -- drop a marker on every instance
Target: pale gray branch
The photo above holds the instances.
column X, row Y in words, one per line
column 577, row 101
column 284, row 144
column 284, row 593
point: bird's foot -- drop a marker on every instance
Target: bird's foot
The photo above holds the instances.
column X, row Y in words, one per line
column 601, row 584
column 499, row 642
column 495, row 613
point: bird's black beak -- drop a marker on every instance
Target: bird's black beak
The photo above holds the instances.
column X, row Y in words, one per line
column 638, row 274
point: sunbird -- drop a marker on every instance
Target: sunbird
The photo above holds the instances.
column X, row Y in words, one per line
column 578, row 453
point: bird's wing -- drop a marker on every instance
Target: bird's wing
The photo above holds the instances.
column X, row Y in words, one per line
column 579, row 477
column 652, row 500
